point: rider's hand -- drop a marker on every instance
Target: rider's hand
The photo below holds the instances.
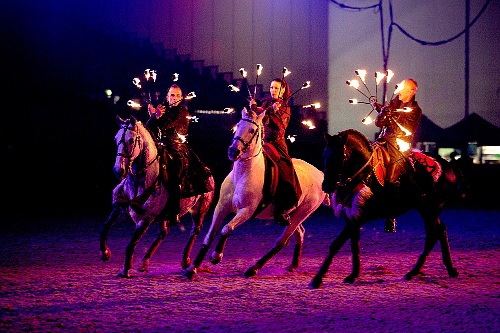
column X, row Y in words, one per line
column 160, row 110
column 151, row 110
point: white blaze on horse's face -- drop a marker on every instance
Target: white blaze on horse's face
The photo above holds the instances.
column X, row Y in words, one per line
column 246, row 136
column 128, row 147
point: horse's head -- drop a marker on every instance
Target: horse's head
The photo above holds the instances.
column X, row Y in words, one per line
column 246, row 141
column 128, row 145
column 333, row 157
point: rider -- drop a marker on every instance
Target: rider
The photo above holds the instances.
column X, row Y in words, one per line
column 399, row 121
column 170, row 124
column 275, row 123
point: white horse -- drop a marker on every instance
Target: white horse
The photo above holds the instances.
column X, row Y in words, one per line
column 144, row 195
column 242, row 191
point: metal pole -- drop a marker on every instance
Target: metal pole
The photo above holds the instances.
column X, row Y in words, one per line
column 467, row 20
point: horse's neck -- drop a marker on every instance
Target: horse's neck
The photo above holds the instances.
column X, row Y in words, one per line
column 250, row 166
column 150, row 162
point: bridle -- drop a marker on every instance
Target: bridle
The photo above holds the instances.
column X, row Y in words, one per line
column 247, row 144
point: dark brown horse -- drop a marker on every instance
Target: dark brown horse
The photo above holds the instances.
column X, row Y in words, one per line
column 361, row 198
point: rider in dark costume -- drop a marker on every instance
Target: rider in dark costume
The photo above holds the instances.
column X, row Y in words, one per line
column 399, row 121
column 170, row 125
column 275, row 123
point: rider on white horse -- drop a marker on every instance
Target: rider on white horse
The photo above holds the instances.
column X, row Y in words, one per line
column 275, row 123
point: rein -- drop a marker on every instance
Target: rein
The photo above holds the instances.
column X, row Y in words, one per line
column 256, row 134
column 128, row 155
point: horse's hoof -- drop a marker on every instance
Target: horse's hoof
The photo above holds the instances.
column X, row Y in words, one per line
column 292, row 268
column 215, row 258
column 188, row 274
column 186, row 263
column 316, row 283
column 350, row 279
column 124, row 275
column 106, row 255
column 453, row 272
column 144, row 267
column 252, row 271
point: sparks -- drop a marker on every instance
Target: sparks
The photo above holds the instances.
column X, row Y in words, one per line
column 286, row 72
column 175, row 77
column 133, row 104
column 306, row 85
column 259, row 69
column 362, row 74
column 234, row 88
column 191, row 95
column 243, row 72
column 353, row 83
column 389, row 74
column 309, row 124
column 379, row 77
column 403, row 145
column 137, row 82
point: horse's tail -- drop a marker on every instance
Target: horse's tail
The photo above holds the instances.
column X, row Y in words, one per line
column 461, row 182
column 326, row 200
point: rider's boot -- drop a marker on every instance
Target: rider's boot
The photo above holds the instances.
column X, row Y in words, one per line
column 392, row 192
column 173, row 205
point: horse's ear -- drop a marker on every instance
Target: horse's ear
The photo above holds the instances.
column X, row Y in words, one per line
column 119, row 120
column 261, row 115
column 328, row 138
column 133, row 120
column 244, row 113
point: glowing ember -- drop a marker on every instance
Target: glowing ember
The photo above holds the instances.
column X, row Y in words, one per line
column 191, row 95
column 133, row 104
column 367, row 121
column 362, row 74
column 306, row 85
column 234, row 88
column 353, row 83
column 403, row 145
column 309, row 124
column 137, row 82
column 175, row 77
column 243, row 72
column 259, row 69
column 379, row 77
column 286, row 72
column 389, row 74
column 292, row 138
column 353, row 101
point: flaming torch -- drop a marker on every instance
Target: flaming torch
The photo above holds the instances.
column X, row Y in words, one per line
column 191, row 95
column 244, row 74
column 259, row 71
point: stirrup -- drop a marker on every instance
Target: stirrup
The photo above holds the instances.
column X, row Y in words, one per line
column 390, row 225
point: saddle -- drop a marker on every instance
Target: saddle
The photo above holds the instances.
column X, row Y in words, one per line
column 381, row 160
column 271, row 156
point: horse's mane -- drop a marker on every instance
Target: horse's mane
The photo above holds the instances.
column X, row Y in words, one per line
column 354, row 132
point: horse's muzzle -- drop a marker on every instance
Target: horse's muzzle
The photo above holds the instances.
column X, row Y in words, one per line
column 119, row 173
column 233, row 153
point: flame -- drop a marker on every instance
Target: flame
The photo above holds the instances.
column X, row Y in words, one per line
column 353, row 83
column 193, row 118
column 182, row 137
column 314, row 106
column 259, row 69
column 367, row 120
column 234, row 88
column 379, row 77
column 389, row 74
column 228, row 110
column 235, row 127
column 406, row 109
column 147, row 74
column 243, row 72
column 133, row 104
column 191, row 95
column 403, row 145
column 306, row 85
column 137, row 82
column 292, row 138
column 399, row 87
column 309, row 124
column 286, row 72
column 362, row 74
column 353, row 101
column 407, row 132
column 175, row 77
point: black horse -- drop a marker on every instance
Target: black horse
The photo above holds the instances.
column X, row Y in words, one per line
column 349, row 174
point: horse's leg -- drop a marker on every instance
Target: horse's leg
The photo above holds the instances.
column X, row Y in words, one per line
column 298, row 236
column 105, row 252
column 129, row 252
column 442, row 236
column 144, row 266
column 221, row 211
column 430, row 241
column 197, row 215
column 334, row 248
column 356, row 261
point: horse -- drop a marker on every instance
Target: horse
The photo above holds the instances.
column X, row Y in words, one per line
column 358, row 195
column 143, row 195
column 242, row 191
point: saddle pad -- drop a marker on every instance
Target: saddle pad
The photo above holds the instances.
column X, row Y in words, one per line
column 431, row 165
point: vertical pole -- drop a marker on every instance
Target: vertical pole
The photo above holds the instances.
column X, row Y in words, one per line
column 467, row 19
